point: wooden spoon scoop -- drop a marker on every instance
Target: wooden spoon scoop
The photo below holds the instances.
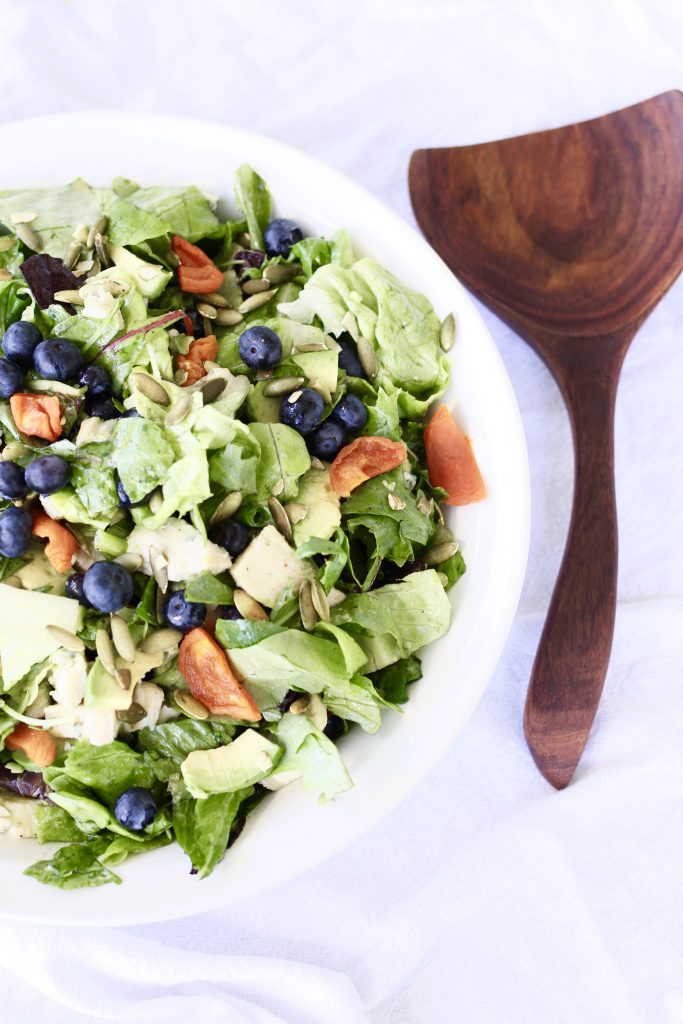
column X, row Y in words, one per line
column 571, row 236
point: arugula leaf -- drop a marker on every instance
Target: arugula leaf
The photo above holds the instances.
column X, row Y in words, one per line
column 252, row 198
column 74, row 867
column 202, row 827
column 336, row 549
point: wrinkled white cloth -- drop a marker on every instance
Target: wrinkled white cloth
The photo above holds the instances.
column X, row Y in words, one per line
column 485, row 897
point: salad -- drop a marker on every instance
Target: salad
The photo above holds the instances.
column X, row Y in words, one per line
column 221, row 543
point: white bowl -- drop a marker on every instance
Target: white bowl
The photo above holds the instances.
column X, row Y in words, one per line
column 291, row 831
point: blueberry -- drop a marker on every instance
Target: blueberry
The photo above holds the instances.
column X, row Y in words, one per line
column 327, row 441
column 260, row 348
column 124, row 500
column 102, row 407
column 73, row 587
column 58, row 359
column 228, row 611
column 15, row 532
column 348, row 357
column 304, row 413
column 108, row 586
column 231, row 535
column 183, row 614
column 247, row 258
column 11, row 379
column 97, row 380
column 12, row 481
column 19, row 341
column 351, row 413
column 280, row 236
column 197, row 330
column 129, row 413
column 48, row 474
column 135, row 808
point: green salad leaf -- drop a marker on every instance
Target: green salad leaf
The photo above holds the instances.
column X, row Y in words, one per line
column 253, row 200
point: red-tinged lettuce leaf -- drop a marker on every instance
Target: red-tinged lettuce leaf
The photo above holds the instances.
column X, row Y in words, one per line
column 28, row 784
column 46, row 275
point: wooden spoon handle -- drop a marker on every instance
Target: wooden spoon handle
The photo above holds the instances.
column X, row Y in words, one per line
column 572, row 658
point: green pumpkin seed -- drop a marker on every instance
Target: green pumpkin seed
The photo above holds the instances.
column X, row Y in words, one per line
column 207, row 310
column 123, row 641
column 178, row 411
column 320, row 602
column 190, row 705
column 70, row 295
column 248, row 607
column 440, row 553
column 150, row 388
column 14, row 450
column 160, row 640
column 213, row 389
column 65, row 638
column 28, row 236
column 216, row 299
column 101, row 250
column 280, row 519
column 131, row 715
column 97, row 228
column 228, row 317
column 255, row 301
column 282, row 386
column 123, row 678
column 255, row 285
column 447, row 335
column 105, row 651
column 309, row 616
column 278, row 273
column 227, row 508
column 72, row 254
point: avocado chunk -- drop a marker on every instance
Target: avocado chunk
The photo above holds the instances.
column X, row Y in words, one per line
column 246, row 760
column 24, row 639
column 320, row 366
column 150, row 278
column 323, row 514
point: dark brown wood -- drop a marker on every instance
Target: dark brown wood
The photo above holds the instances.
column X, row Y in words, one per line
column 571, row 236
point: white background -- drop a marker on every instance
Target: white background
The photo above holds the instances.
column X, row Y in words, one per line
column 486, row 897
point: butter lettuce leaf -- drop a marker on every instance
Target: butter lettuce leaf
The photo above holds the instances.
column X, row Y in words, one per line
column 309, row 752
column 284, row 457
column 202, row 827
column 252, row 198
column 142, row 455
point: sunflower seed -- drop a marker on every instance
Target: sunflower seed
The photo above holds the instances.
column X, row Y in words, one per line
column 248, row 607
column 300, row 706
column 227, row 508
column 72, row 255
column 311, row 346
column 96, row 229
column 173, row 260
column 296, row 513
column 28, row 236
column 83, row 267
column 309, row 616
column 14, row 450
column 73, row 297
column 280, row 519
column 350, row 324
column 80, row 234
column 440, row 553
column 23, row 217
column 213, row 389
column 255, row 285
column 160, row 640
column 395, row 502
column 65, row 638
column 105, row 651
column 294, row 397
column 123, row 641
column 216, row 299
column 131, row 715
column 278, row 273
column 447, row 335
column 425, row 505
column 190, row 705
column 255, row 301
column 13, row 581
column 283, row 386
column 5, row 275
column 278, row 487
column 130, row 561
column 150, row 388
column 207, row 310
column 320, row 602
column 179, row 410
column 101, row 250
column 368, row 359
column 95, row 268
column 123, row 678
column 228, row 317
column 159, row 564
column 6, row 243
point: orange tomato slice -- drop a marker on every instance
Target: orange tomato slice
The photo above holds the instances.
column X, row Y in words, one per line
column 192, row 363
column 196, row 273
column 38, row 745
column 362, row 459
column 450, row 460
column 61, row 544
column 205, row 668
column 37, row 415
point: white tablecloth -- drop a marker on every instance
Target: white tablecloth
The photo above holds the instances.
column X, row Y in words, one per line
column 486, row 897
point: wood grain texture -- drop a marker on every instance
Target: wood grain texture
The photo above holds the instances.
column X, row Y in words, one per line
column 571, row 236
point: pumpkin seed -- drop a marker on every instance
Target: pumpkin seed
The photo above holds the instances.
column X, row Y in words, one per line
column 248, row 607
column 105, row 651
column 23, row 216
column 244, row 239
column 255, row 301
column 213, row 389
column 426, row 505
column 255, row 285
column 296, row 512
column 207, row 310
column 161, row 640
column 101, row 250
column 155, row 501
column 179, row 410
column 14, row 450
column 96, row 229
column 72, row 296
column 227, row 508
column 13, row 581
column 80, row 234
column 320, row 602
column 172, row 259
column 65, row 638
column 311, row 346
column 180, row 376
column 5, row 274
column 395, row 502
column 150, row 388
column 216, row 299
column 282, row 386
column 95, row 268
column 278, row 273
column 368, row 359
column 72, row 255
column 6, row 243
column 190, row 705
column 228, row 317
column 159, row 564
column 123, row 641
column 280, row 519
column 123, row 678
column 28, row 236
column 83, row 267
column 278, row 487
column 447, row 334
column 131, row 715
column 350, row 324
column 440, row 553
column 130, row 560
column 159, row 604
column 309, row 616
column 300, row 706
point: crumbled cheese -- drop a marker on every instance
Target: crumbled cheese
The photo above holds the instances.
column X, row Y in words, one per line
column 68, row 676
column 150, row 697
column 184, row 548
column 269, row 565
column 100, row 726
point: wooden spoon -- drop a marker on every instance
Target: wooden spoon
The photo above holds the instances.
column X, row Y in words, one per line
column 571, row 236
